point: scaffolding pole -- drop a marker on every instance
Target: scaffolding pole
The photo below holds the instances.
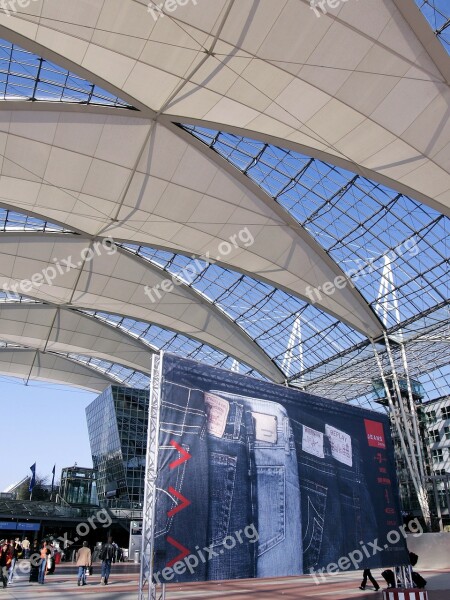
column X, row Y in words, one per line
column 148, row 590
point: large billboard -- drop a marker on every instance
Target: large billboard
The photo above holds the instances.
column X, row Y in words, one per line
column 260, row 480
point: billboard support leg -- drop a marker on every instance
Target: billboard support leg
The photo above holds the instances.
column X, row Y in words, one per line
column 147, row 588
column 401, row 428
column 408, row 418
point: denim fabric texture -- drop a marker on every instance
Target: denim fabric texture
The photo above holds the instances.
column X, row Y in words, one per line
column 274, row 456
column 183, row 420
column 301, row 469
column 42, row 568
column 337, row 512
column 106, row 569
column 231, row 495
column 82, row 575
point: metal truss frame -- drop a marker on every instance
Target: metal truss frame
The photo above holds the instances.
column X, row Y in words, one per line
column 148, row 590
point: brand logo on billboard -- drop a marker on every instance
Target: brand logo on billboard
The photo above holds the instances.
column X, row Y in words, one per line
column 375, row 434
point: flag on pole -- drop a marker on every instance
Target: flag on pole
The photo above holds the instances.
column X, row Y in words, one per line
column 33, row 478
column 53, row 480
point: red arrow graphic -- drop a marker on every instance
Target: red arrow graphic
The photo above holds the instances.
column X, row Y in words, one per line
column 184, row 502
column 183, row 458
column 184, row 551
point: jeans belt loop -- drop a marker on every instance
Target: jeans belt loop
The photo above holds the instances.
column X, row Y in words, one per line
column 287, row 436
column 237, row 421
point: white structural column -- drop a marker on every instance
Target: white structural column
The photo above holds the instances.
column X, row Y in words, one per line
column 403, row 408
column 387, row 299
column 294, row 350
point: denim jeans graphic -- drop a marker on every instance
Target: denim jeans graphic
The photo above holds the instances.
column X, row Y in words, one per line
column 183, row 420
column 336, row 506
column 278, row 491
column 231, row 489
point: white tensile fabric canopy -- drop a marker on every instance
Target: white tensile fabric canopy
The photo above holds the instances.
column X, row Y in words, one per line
column 364, row 86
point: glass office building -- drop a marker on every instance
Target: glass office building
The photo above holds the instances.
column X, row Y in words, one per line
column 117, row 424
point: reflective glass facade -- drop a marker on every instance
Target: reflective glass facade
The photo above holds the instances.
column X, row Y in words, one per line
column 78, row 486
column 117, row 424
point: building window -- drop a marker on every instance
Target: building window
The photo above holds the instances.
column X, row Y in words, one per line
column 440, row 472
column 445, row 412
column 447, row 431
column 431, row 416
column 437, row 455
column 434, row 435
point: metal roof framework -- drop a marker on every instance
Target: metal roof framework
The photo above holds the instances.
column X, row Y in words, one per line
column 391, row 245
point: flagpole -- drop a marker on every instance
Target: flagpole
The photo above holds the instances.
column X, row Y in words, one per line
column 32, row 480
column 53, row 482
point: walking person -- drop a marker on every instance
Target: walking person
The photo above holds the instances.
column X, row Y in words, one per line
column 44, row 553
column 84, row 561
column 3, row 566
column 35, row 561
column 106, row 556
column 368, row 575
column 26, row 547
column 11, row 560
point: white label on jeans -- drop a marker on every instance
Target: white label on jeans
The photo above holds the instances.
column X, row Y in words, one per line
column 265, row 428
column 217, row 410
column 341, row 445
column 312, row 442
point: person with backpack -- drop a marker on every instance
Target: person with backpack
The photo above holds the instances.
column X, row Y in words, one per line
column 106, row 556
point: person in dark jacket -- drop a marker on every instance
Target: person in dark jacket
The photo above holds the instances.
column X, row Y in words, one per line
column 418, row 580
column 3, row 563
column 106, row 556
column 368, row 575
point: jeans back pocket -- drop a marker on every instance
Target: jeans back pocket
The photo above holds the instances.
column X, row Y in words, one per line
column 165, row 501
column 313, row 502
column 271, row 485
column 222, row 479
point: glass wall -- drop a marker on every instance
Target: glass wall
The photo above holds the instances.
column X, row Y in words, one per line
column 117, row 423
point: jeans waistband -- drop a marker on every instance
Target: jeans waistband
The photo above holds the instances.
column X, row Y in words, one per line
column 280, row 433
column 182, row 411
column 348, row 460
column 225, row 418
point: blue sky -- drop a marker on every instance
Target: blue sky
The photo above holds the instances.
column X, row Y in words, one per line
column 42, row 423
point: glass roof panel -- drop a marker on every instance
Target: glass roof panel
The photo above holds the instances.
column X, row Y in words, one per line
column 26, row 76
column 437, row 13
column 14, row 221
column 162, row 339
column 265, row 313
column 123, row 375
column 394, row 248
